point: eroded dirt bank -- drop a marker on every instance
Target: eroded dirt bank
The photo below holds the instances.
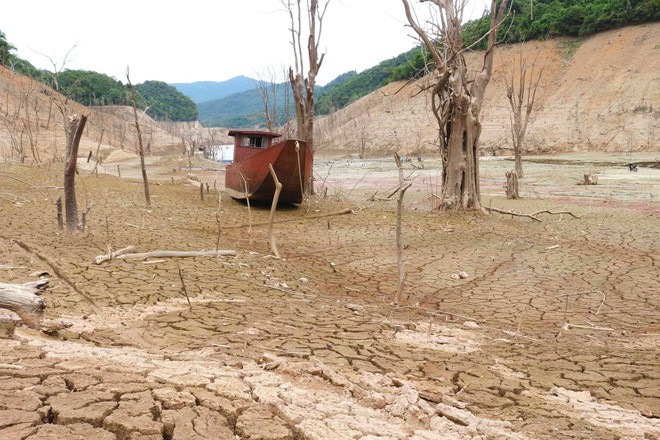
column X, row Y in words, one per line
column 553, row 334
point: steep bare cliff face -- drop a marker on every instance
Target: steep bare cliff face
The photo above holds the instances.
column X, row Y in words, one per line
column 600, row 93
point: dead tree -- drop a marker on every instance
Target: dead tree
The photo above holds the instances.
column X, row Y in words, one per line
column 521, row 98
column 73, row 135
column 268, row 89
column 140, row 145
column 303, row 87
column 456, row 98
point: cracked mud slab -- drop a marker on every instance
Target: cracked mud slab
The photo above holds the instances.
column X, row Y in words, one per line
column 553, row 334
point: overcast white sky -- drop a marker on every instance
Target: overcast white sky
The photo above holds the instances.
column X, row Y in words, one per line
column 199, row 40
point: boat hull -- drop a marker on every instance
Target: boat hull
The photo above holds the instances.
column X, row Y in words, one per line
column 292, row 161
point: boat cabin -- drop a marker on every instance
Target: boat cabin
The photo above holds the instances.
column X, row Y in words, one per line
column 249, row 142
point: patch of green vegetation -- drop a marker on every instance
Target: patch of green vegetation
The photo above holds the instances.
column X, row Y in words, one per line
column 570, row 47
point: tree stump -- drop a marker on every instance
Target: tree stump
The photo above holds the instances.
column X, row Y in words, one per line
column 590, row 179
column 23, row 300
column 512, row 185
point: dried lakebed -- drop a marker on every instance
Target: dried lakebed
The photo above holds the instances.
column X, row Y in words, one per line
column 553, row 334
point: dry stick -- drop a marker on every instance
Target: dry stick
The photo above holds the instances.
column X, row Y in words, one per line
column 96, row 166
column 217, row 220
column 29, row 184
column 13, row 198
column 185, row 291
column 57, row 271
column 247, row 200
column 520, row 323
column 556, row 213
column 60, row 220
column 83, row 220
column 112, row 255
column 356, row 184
column 273, row 208
column 140, row 228
column 533, row 215
column 517, row 214
column 399, row 245
column 585, row 293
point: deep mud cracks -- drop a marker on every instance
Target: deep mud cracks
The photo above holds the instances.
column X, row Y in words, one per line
column 309, row 346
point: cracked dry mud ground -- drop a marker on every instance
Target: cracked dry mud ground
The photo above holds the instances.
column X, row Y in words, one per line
column 309, row 346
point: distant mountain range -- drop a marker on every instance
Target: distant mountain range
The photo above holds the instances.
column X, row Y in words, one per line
column 204, row 91
column 236, row 103
column 241, row 110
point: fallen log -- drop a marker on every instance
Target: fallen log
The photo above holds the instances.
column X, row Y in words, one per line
column 24, row 300
column 129, row 255
column 176, row 254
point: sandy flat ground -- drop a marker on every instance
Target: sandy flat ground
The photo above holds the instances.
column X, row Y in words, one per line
column 554, row 332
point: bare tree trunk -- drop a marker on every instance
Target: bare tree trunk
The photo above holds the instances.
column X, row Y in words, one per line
column 147, row 196
column 457, row 99
column 303, row 88
column 74, row 133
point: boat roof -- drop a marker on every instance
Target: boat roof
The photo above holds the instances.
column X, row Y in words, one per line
column 254, row 133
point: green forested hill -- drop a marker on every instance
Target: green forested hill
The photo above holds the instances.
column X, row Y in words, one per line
column 165, row 102
column 530, row 19
column 537, row 19
column 92, row 88
column 246, row 109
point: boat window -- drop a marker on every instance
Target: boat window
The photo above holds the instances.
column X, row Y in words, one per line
column 253, row 141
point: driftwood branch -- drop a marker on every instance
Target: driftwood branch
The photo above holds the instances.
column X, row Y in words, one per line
column 127, row 254
column 24, row 300
column 534, row 215
column 112, row 255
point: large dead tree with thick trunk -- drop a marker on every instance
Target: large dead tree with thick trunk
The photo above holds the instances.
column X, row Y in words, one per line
column 303, row 87
column 521, row 98
column 73, row 134
column 457, row 98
